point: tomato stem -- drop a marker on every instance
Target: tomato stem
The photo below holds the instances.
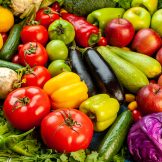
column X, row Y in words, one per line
column 21, row 102
column 31, row 50
column 69, row 120
column 60, row 30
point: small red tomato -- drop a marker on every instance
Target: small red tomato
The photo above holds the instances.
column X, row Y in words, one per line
column 136, row 115
column 67, row 130
column 4, row 36
column 33, row 53
column 46, row 16
column 25, row 107
column 15, row 59
column 102, row 41
column 34, row 33
column 36, row 76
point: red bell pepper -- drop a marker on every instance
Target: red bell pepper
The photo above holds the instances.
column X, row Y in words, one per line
column 86, row 34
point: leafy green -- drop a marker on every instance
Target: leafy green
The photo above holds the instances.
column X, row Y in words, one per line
column 123, row 3
column 159, row 4
column 5, row 3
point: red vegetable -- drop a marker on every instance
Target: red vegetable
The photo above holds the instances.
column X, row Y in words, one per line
column 102, row 41
column 46, row 16
column 4, row 36
column 25, row 107
column 33, row 53
column 56, row 6
column 34, row 33
column 67, row 130
column 36, row 76
column 15, row 59
column 86, row 33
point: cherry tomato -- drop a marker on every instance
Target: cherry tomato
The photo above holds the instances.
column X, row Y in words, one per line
column 68, row 130
column 46, row 16
column 33, row 53
column 136, row 115
column 102, row 41
column 25, row 107
column 4, row 36
column 36, row 76
column 56, row 6
column 15, row 59
column 34, row 33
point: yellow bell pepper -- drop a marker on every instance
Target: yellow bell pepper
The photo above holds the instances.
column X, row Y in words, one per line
column 101, row 109
column 66, row 90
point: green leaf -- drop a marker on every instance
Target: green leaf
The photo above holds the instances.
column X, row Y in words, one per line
column 79, row 155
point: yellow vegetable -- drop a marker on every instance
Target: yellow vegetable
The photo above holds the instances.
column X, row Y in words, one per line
column 129, row 97
column 66, row 90
column 132, row 105
column 1, row 41
column 6, row 19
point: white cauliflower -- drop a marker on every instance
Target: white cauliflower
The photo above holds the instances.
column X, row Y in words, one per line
column 24, row 6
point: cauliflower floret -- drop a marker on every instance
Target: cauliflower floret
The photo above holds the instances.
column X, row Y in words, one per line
column 21, row 6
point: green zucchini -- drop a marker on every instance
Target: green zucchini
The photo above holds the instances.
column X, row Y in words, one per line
column 10, row 65
column 114, row 138
column 11, row 44
column 148, row 65
column 128, row 75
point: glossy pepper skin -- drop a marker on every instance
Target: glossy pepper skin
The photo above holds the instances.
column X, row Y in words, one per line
column 86, row 34
column 103, row 16
column 102, row 109
column 66, row 90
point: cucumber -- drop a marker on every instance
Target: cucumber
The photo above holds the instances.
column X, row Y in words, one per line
column 11, row 44
column 115, row 137
column 10, row 65
column 128, row 75
column 148, row 65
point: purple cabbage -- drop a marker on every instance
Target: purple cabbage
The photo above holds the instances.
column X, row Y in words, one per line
column 145, row 139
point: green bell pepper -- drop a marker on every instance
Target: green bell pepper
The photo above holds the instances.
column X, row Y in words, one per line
column 101, row 109
column 103, row 16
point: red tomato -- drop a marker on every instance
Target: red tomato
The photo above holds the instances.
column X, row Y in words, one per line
column 102, row 41
column 46, row 16
column 4, row 36
column 15, row 59
column 136, row 115
column 25, row 107
column 56, row 6
column 34, row 33
column 33, row 53
column 36, row 76
column 67, row 130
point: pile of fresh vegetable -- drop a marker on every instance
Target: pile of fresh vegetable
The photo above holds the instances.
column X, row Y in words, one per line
column 80, row 81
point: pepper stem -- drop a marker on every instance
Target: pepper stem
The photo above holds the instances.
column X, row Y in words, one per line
column 93, row 39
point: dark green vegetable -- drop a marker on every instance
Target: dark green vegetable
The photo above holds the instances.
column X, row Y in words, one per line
column 79, row 67
column 5, row 3
column 85, row 7
column 10, row 65
column 159, row 4
column 123, row 3
column 11, row 44
column 115, row 137
column 103, row 75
